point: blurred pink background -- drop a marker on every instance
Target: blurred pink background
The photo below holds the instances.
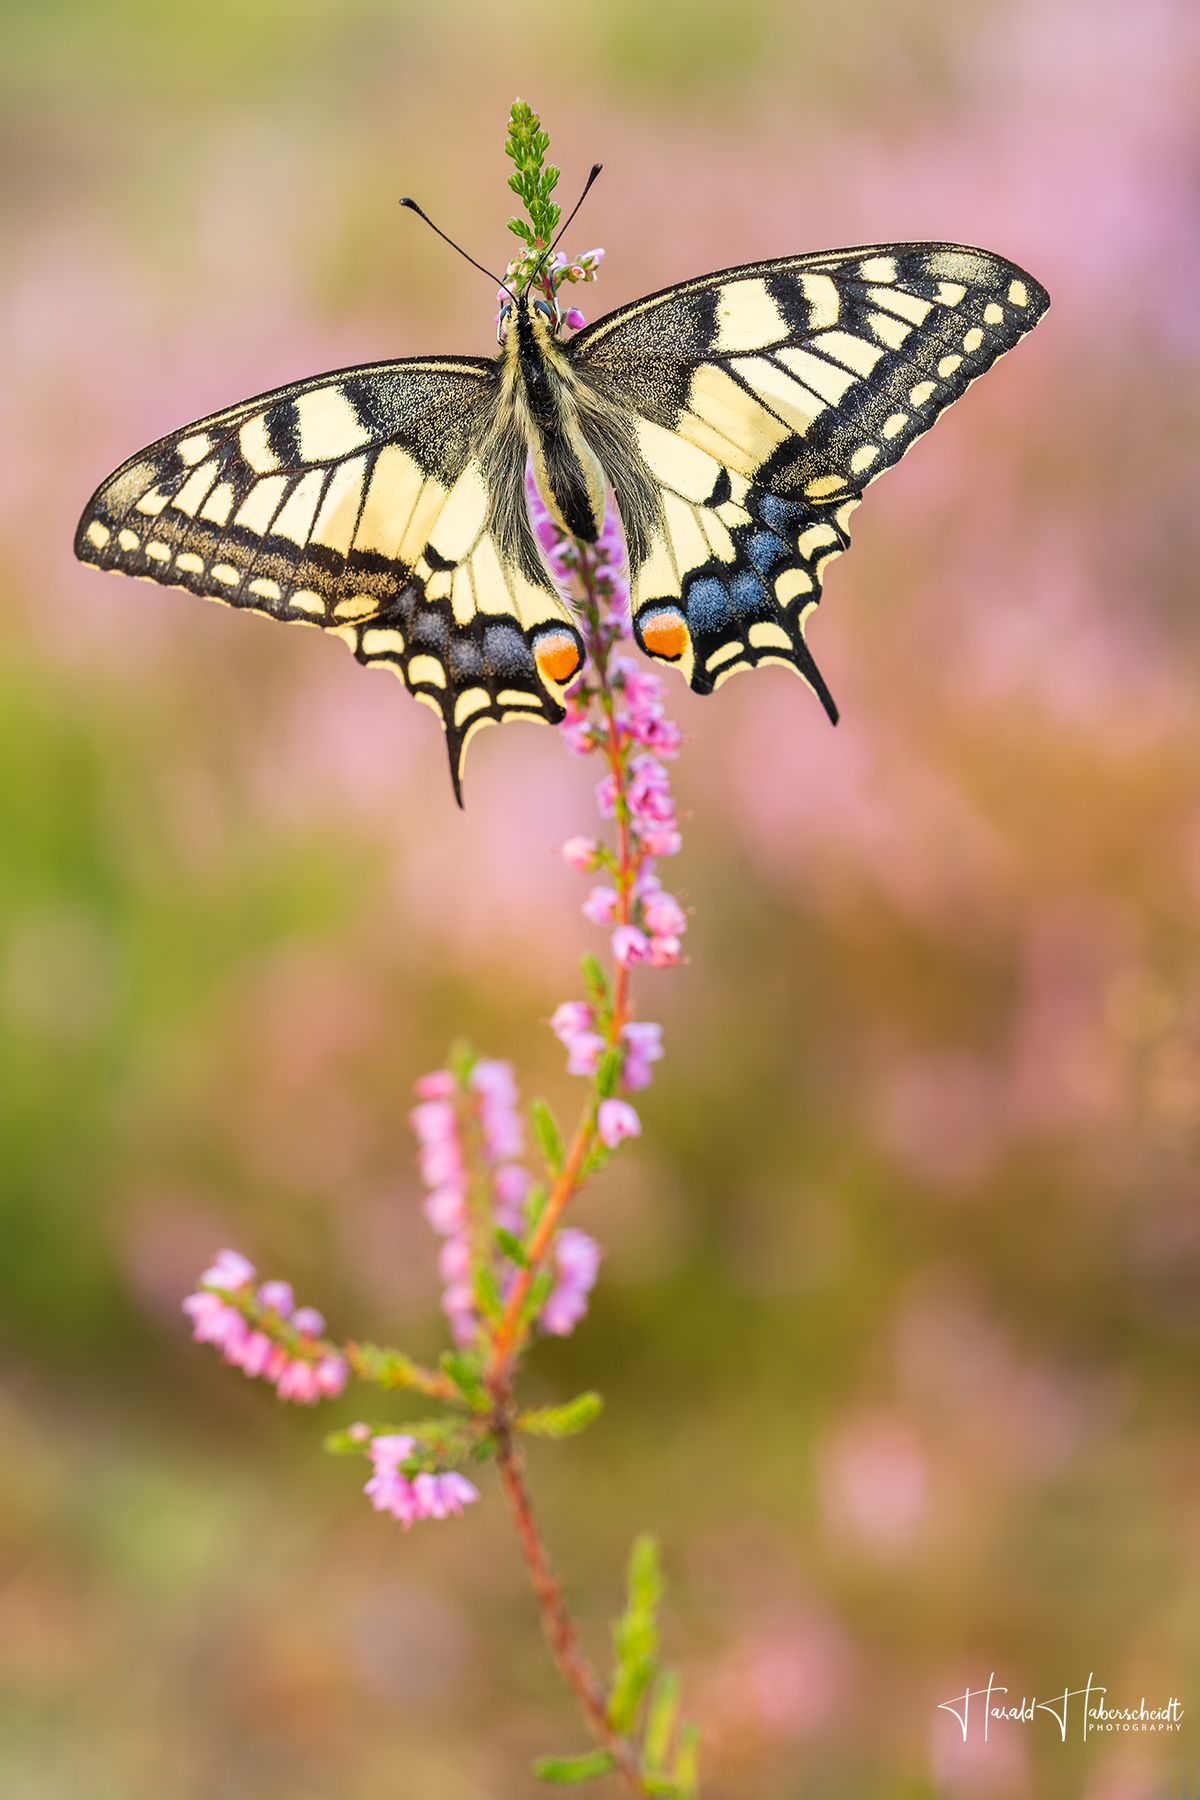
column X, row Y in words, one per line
column 898, row 1324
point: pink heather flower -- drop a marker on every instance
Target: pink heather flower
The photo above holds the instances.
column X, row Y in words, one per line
column 664, row 952
column 629, row 945
column 578, row 739
column 387, row 1488
column 580, row 853
column 441, row 1163
column 454, row 1260
column 574, row 318
column 390, row 1449
column 388, row 1492
column 606, row 796
column 252, row 1354
column 439, row 1085
column 639, row 684
column 434, row 1122
column 331, row 1372
column 243, row 1334
column 655, row 732
column 616, row 1120
column 494, row 1078
column 228, row 1270
column 503, row 1133
column 458, row 1306
column 643, row 1045
column 298, row 1382
column 446, row 1210
column 577, row 1261
column 425, row 1496
column 584, row 1051
column 650, row 791
column 455, row 1492
column 510, row 1183
column 213, row 1321
column 277, row 1296
column 569, row 1019
column 601, row 905
column 663, row 916
column 660, row 840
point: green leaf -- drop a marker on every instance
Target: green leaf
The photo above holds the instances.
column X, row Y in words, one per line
column 511, row 1246
column 635, row 1635
column 461, row 1061
column 487, row 1294
column 595, row 980
column 609, row 1072
column 549, row 1137
column 662, row 1714
column 464, row 1371
column 540, row 1290
column 646, row 1586
column 342, row 1443
column 390, row 1368
column 569, row 1771
column 687, row 1763
column 562, row 1421
column 535, row 1202
column 438, row 1441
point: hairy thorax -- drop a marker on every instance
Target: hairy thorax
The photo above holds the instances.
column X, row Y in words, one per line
column 540, row 389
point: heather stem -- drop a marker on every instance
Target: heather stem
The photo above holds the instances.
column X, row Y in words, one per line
column 511, row 1329
column 557, row 1623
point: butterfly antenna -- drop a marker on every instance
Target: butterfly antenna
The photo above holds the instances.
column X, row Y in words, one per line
column 422, row 214
column 563, row 229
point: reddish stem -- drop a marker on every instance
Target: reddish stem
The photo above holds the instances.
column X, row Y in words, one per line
column 510, row 1329
column 557, row 1623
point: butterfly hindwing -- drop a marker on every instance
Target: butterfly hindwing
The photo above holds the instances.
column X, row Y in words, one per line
column 766, row 399
column 358, row 502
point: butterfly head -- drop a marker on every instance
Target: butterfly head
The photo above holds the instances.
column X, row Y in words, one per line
column 535, row 315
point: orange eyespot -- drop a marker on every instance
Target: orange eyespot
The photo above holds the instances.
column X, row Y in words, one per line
column 557, row 656
column 665, row 634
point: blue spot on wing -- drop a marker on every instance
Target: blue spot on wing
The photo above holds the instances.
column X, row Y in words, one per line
column 707, row 605
column 748, row 595
column 765, row 550
column 778, row 513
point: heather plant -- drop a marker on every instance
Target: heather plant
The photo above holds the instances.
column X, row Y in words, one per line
column 501, row 1180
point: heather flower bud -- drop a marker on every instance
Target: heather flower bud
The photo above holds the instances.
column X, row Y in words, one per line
column 630, row 945
column 617, row 1120
column 580, row 853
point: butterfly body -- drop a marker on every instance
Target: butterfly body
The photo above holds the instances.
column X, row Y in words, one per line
column 545, row 408
column 736, row 420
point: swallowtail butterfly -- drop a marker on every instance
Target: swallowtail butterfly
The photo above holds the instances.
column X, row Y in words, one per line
column 736, row 420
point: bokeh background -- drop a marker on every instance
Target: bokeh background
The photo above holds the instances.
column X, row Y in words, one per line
column 899, row 1322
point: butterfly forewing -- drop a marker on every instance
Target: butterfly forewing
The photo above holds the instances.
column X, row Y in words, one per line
column 357, row 502
column 767, row 398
